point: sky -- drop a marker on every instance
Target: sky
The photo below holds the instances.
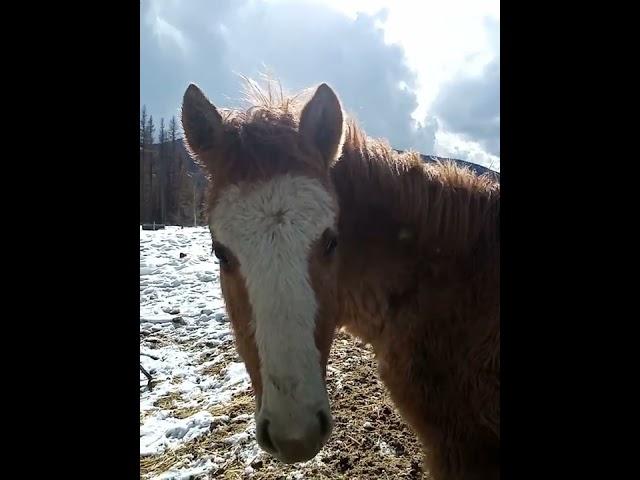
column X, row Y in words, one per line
column 423, row 74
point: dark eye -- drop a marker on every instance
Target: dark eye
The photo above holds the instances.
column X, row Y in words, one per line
column 221, row 254
column 331, row 242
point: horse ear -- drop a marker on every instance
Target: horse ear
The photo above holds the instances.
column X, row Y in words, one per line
column 322, row 122
column 201, row 122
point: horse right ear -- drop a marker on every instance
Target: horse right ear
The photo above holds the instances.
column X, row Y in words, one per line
column 201, row 122
column 322, row 123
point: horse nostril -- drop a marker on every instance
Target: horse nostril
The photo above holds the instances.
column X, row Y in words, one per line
column 264, row 434
column 324, row 423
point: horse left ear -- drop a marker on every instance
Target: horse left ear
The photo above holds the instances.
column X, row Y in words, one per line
column 322, row 123
column 201, row 122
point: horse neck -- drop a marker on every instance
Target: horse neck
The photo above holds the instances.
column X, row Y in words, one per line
column 402, row 232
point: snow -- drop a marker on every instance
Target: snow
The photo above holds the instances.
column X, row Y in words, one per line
column 184, row 324
column 385, row 449
column 155, row 436
column 241, row 437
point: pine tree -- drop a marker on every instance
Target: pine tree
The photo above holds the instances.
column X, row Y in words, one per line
column 149, row 139
column 163, row 170
column 173, row 172
column 143, row 126
column 143, row 170
column 173, row 129
column 162, row 132
column 150, row 131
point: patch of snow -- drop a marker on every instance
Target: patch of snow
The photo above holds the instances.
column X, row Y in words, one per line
column 241, row 437
column 385, row 449
column 190, row 287
column 155, row 437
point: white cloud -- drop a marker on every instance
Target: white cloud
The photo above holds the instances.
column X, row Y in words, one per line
column 452, row 145
column 169, row 33
column 438, row 37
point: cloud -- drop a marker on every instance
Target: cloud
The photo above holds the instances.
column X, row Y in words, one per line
column 164, row 31
column 469, row 105
column 302, row 43
column 451, row 145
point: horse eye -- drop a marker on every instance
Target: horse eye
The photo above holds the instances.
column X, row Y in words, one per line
column 331, row 244
column 221, row 255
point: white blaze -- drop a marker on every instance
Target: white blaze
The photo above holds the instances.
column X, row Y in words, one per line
column 270, row 228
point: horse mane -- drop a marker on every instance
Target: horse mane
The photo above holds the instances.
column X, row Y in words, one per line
column 443, row 204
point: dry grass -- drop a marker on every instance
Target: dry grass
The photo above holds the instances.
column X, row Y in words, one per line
column 241, row 403
column 168, row 401
column 215, row 369
column 157, row 464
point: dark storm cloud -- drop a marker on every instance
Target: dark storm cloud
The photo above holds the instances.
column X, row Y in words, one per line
column 303, row 44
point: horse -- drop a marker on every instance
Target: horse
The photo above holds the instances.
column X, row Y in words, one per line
column 317, row 227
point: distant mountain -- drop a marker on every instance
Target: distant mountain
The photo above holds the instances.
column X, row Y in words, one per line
column 478, row 169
